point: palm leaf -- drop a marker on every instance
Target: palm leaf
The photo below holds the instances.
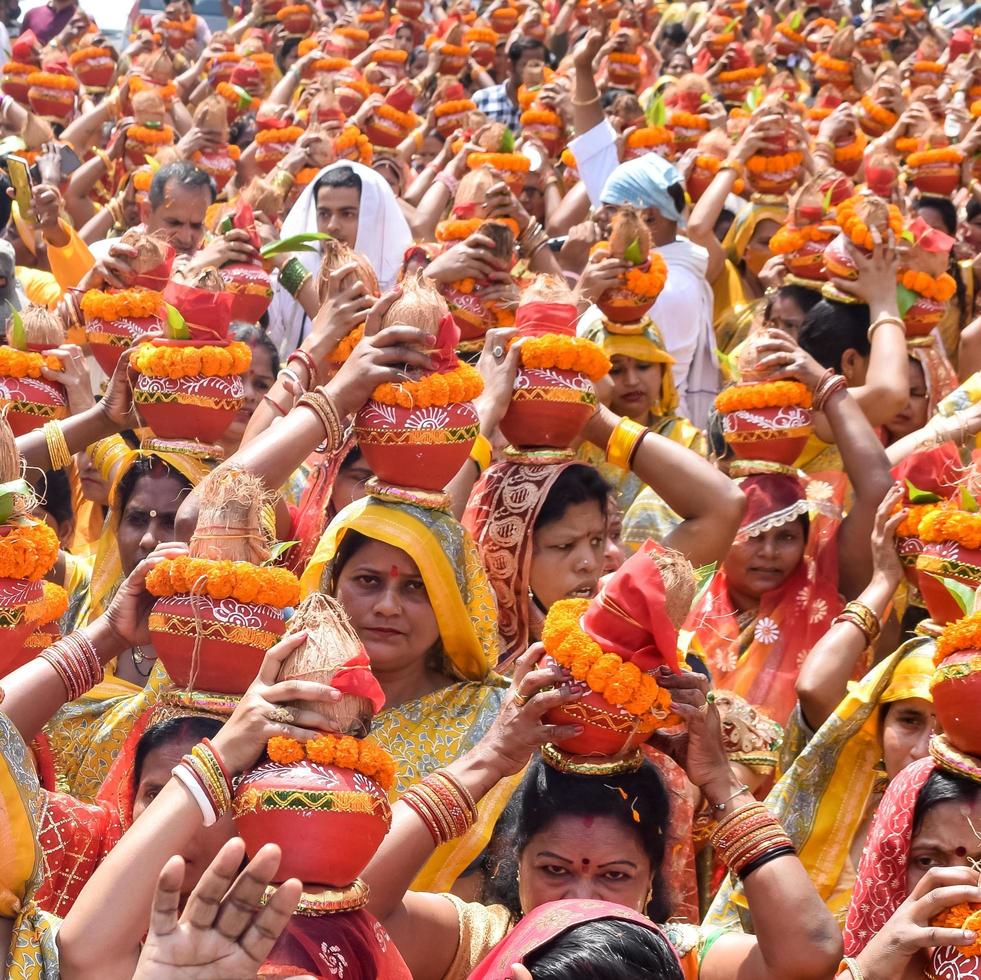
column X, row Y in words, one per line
column 295, row 243
column 16, row 335
column 918, row 496
column 176, row 325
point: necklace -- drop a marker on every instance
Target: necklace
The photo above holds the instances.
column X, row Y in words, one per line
column 138, row 658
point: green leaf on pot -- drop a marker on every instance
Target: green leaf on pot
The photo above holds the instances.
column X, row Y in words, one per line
column 729, row 363
column 918, row 496
column 796, row 19
column 905, row 298
column 226, row 224
column 705, row 98
column 703, row 579
column 755, row 97
column 907, row 236
column 507, row 141
column 633, row 254
column 244, row 99
column 842, row 23
column 176, row 324
column 962, row 594
column 655, row 114
column 826, row 202
column 968, row 501
column 278, row 549
column 16, row 334
column 295, row 243
column 9, row 492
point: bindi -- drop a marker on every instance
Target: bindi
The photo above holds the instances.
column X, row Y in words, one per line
column 393, row 572
column 961, row 852
column 587, row 821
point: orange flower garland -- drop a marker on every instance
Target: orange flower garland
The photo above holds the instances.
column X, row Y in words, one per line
column 360, row 755
column 565, row 354
column 748, row 75
column 167, row 91
column 151, row 137
column 403, row 120
column 940, row 288
column 951, row 524
column 331, row 65
column 462, row 384
column 766, row 394
column 88, row 54
column 857, row 230
column 648, row 136
column 499, row 161
column 52, row 605
column 136, row 302
column 392, row 55
column 782, row 163
column 47, row 79
column 648, row 282
column 28, row 551
column 939, row 154
column 623, row 684
column 343, row 350
column 288, row 134
column 909, row 526
column 354, row 141
column 453, row 107
column 883, row 116
column 189, row 362
column 966, row 915
column 789, row 239
column 457, row 229
column 25, row 364
column 541, row 117
column 241, row 580
column 795, row 37
column 687, row 120
column 853, row 151
column 232, row 96
column 962, row 634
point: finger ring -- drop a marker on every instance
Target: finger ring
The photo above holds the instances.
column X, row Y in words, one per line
column 710, row 697
column 520, row 700
column 498, row 351
column 279, row 713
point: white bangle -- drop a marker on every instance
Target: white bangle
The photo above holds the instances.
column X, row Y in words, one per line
column 181, row 773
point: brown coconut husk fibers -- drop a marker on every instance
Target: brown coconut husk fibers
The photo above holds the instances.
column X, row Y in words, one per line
column 208, row 279
column 679, row 584
column 331, row 642
column 42, row 328
column 548, row 289
column 229, row 524
column 420, row 305
column 337, row 254
column 12, row 467
column 150, row 250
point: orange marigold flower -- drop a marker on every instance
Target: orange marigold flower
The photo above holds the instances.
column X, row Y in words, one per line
column 284, row 750
column 28, row 551
column 265, row 584
column 188, row 362
column 950, row 524
column 765, row 394
column 100, row 305
column 566, row 353
column 431, row 391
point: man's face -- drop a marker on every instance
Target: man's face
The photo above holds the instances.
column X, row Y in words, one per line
column 527, row 58
column 180, row 216
column 338, row 209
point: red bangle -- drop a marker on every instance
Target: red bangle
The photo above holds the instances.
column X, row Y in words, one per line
column 306, row 359
column 279, row 408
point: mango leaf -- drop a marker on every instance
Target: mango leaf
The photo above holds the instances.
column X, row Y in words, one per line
column 963, row 595
column 295, row 243
column 226, row 224
column 705, row 98
column 826, row 202
column 968, row 501
column 153, row 163
column 9, row 492
column 507, row 141
column 244, row 99
column 278, row 549
column 907, row 236
column 755, row 97
column 796, row 19
column 918, row 496
column 16, row 334
column 703, row 579
column 656, row 114
column 905, row 298
column 633, row 254
column 729, row 364
column 176, row 325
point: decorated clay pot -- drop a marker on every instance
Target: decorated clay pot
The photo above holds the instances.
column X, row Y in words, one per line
column 252, row 288
column 607, row 730
column 471, row 314
column 550, row 136
column 622, row 305
column 949, row 963
column 777, row 435
column 300, row 806
column 939, row 179
column 774, row 182
column 297, row 19
column 946, row 559
column 383, row 132
column 107, row 339
column 956, row 689
column 808, row 262
column 96, row 73
column 838, row 260
column 37, row 639
column 203, row 405
column 219, row 165
column 213, row 644
column 31, row 402
column 923, row 316
column 418, row 447
column 699, row 178
column 53, row 104
column 15, row 82
column 909, row 548
column 483, row 53
column 16, row 595
column 548, row 408
column 410, row 9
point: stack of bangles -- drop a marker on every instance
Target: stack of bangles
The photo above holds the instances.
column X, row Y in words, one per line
column 623, row 443
column 749, row 838
column 826, row 387
column 860, row 615
column 58, row 452
column 207, row 780
column 75, row 662
column 320, row 403
column 443, row 805
column 293, row 275
column 482, row 453
column 532, row 239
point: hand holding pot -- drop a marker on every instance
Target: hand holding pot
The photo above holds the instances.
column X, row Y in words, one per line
column 782, row 358
column 876, row 281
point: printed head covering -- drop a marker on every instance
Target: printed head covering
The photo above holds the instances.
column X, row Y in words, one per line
column 644, row 183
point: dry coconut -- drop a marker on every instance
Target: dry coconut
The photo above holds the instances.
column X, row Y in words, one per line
column 150, row 250
column 548, row 289
column 208, row 278
column 680, row 584
column 336, row 254
column 263, row 197
column 473, row 189
column 629, row 234
column 502, row 237
column 211, row 116
column 42, row 328
column 420, row 305
column 331, row 643
column 149, row 108
column 158, row 67
column 229, row 524
column 11, row 467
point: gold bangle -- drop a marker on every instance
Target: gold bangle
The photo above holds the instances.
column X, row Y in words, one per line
column 58, row 452
column 882, row 320
column 481, row 452
column 283, row 181
column 623, row 442
column 106, row 453
column 731, row 163
column 320, row 403
column 582, row 105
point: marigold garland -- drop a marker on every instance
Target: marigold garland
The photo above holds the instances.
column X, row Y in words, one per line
column 393, row 55
column 458, row 229
column 880, row 114
column 268, row 585
column 403, row 120
column 353, row 34
column 167, row 91
column 331, row 65
column 908, row 144
column 25, row 364
column 52, row 605
column 436, row 390
column 747, row 75
column 962, row 634
column 136, row 302
column 909, row 526
column 765, row 394
column 233, row 97
column 965, row 915
column 352, row 139
column 189, row 362
column 453, row 107
column 47, row 79
column 950, row 524
column 623, row 684
column 650, row 281
column 623, row 58
column 856, row 230
column 780, row 164
column 151, row 137
column 565, row 354
column 648, row 136
column 540, row 117
column 305, row 175
column 28, row 551
column 499, row 161
column 360, row 755
column 789, row 239
column 789, row 33
column 940, row 288
column 939, row 154
column 480, row 35
column 343, row 350
column 687, row 120
column 17, row 68
column 853, row 151
column 88, row 54
column 286, row 135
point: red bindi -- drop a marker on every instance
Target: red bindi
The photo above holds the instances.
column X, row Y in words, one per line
column 393, row 572
column 961, row 852
column 587, row 821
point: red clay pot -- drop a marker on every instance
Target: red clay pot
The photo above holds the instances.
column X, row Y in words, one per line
column 948, row 560
column 36, row 640
column 938, row 179
column 956, row 689
column 15, row 595
column 774, row 434
column 251, row 286
column 549, row 136
column 808, row 262
column 949, row 963
column 31, row 402
column 483, row 54
column 55, row 105
column 622, row 305
column 698, row 181
column 416, row 447
column 108, row 339
column 548, row 408
column 234, row 637
column 777, row 183
column 410, row 9
column 298, row 23
column 15, row 85
column 96, row 73
column 219, row 165
column 909, row 549
column 327, row 821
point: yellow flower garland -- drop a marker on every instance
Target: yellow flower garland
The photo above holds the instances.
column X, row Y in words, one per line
column 360, row 755
column 951, row 524
column 189, row 362
column 241, row 580
column 565, row 354
column 25, row 364
column 137, row 302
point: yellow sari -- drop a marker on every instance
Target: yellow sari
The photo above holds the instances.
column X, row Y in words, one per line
column 833, row 786
column 432, row 731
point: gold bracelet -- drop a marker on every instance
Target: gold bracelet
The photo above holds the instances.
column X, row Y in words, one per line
column 882, row 320
column 58, row 452
column 582, row 105
column 731, row 163
column 319, row 402
column 623, row 442
column 481, row 452
column 283, row 181
column 106, row 453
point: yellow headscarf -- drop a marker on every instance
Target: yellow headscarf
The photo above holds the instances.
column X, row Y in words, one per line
column 448, row 562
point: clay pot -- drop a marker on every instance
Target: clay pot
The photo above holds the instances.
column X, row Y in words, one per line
column 482, row 53
column 948, row 560
column 410, row 9
column 298, row 22
column 219, row 165
column 15, row 85
column 108, row 339
column 549, row 136
column 923, row 316
column 252, row 288
column 416, row 447
column 15, row 595
column 808, row 262
column 31, row 402
column 717, row 44
column 774, row 434
column 949, row 963
column 326, row 803
column 55, row 105
column 777, row 183
column 939, row 179
column 96, row 73
column 622, row 74
column 698, row 181
column 213, row 644
column 607, row 730
column 909, row 549
column 548, row 408
column 38, row 639
column 622, row 305
column 956, row 689
column 383, row 132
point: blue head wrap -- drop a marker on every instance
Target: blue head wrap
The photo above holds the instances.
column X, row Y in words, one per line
column 643, row 183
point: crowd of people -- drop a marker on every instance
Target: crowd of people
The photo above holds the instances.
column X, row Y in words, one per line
column 541, row 429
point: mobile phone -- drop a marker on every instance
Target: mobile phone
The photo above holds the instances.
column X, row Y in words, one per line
column 20, row 179
column 68, row 163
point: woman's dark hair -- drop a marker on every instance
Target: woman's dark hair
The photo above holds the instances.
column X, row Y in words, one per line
column 289, row 46
column 944, row 207
column 607, row 949
column 545, row 793
column 943, row 787
column 145, row 466
column 716, row 439
column 351, row 543
column 354, row 455
column 255, row 336
column 58, row 496
column 577, row 484
column 184, row 728
column 832, row 328
column 805, row 298
column 338, row 177
column 973, row 209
